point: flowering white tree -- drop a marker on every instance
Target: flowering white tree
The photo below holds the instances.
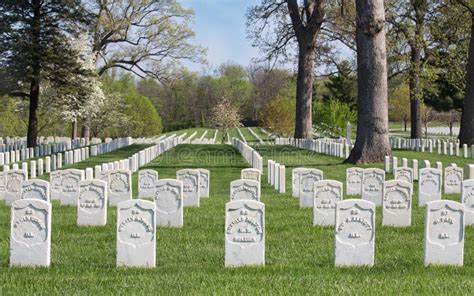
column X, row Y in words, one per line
column 225, row 116
column 82, row 98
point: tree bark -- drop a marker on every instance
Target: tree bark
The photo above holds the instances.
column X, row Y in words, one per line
column 32, row 135
column 372, row 143
column 304, row 90
column 466, row 132
column 85, row 131
column 415, row 91
column 74, row 129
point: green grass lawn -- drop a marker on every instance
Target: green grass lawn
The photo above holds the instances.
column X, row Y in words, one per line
column 299, row 256
column 251, row 139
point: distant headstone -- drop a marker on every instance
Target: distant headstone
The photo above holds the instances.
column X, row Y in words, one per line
column 35, row 189
column 30, row 234
column 136, row 233
column 404, row 174
column 307, row 179
column 444, row 233
column 245, row 190
column 295, row 181
column 453, row 177
column 251, row 174
column 397, row 202
column 244, row 233
column 429, row 186
column 13, row 181
column 146, row 183
column 191, row 181
column 55, row 185
column 92, row 203
column 204, row 182
column 355, row 233
column 354, row 181
column 467, row 199
column 70, row 186
column 168, row 196
column 372, row 185
column 326, row 194
column 119, row 183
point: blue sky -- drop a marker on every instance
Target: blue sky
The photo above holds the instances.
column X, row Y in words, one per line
column 220, row 27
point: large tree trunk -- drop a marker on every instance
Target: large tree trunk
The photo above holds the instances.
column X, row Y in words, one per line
column 32, row 135
column 33, row 116
column 372, row 144
column 74, row 129
column 85, row 131
column 466, row 133
column 304, row 90
column 415, row 91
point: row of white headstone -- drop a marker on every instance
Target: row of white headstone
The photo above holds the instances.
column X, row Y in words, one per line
column 443, row 147
column 332, row 147
column 276, row 175
column 136, row 219
column 249, row 154
column 255, row 135
column 354, row 219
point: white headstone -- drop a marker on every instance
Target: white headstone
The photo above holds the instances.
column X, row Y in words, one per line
column 191, row 189
column 295, row 181
column 136, row 233
column 372, row 185
column 146, row 183
column 444, row 233
column 70, row 179
column 55, row 185
column 354, row 181
column 35, row 189
column 404, row 174
column 204, row 182
column 326, row 194
column 355, row 233
column 307, row 179
column 168, row 196
column 251, row 174
column 429, row 186
column 397, row 203
column 453, row 177
column 245, row 189
column 119, row 186
column 244, row 233
column 92, row 203
column 13, row 181
column 30, row 234
column 467, row 199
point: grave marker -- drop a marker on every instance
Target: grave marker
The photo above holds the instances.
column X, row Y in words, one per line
column 355, row 233
column 146, row 183
column 168, row 197
column 326, row 194
column 92, row 203
column 429, row 186
column 35, row 189
column 372, row 185
column 397, row 202
column 307, row 179
column 191, row 191
column 244, row 233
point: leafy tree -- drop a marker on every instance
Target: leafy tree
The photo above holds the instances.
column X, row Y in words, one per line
column 275, row 26
column 10, row 123
column 399, row 104
column 224, row 116
column 34, row 48
column 343, row 86
column 145, row 37
column 279, row 116
column 330, row 118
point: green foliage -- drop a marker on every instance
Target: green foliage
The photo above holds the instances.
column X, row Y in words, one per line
column 10, row 123
column 343, row 86
column 399, row 103
column 279, row 115
column 446, row 96
column 137, row 117
column 330, row 118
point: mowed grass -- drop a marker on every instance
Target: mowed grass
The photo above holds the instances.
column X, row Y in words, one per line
column 299, row 256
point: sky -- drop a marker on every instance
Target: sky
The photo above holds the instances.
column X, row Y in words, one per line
column 220, row 27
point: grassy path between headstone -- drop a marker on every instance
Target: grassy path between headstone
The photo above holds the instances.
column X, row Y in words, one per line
column 299, row 256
